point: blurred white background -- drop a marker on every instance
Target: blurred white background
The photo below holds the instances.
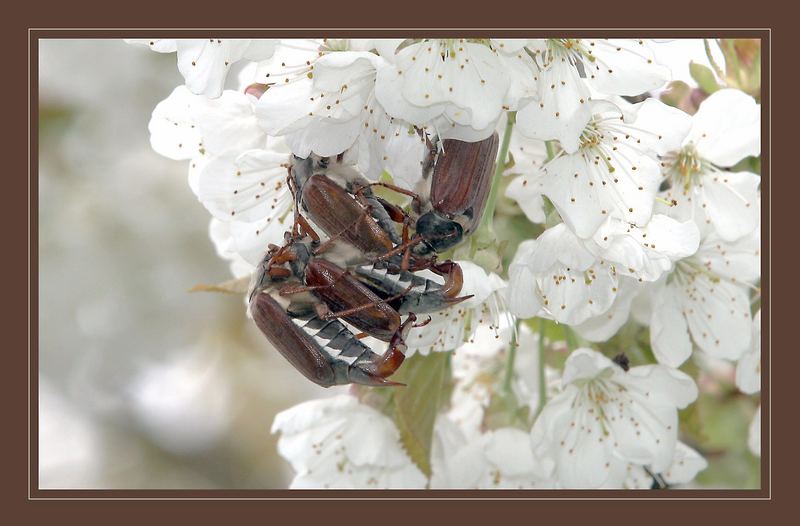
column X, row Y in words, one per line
column 142, row 384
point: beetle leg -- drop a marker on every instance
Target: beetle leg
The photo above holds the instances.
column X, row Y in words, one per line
column 429, row 161
column 454, row 277
column 397, row 214
column 292, row 184
column 299, row 219
column 339, row 314
column 289, row 290
column 422, row 324
column 282, row 257
column 399, row 248
column 378, row 209
column 414, row 196
column 375, row 371
column 406, row 262
column 279, row 272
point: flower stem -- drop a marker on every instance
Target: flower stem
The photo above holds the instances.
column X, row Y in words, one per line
column 512, row 354
column 487, row 223
column 542, row 386
column 572, row 339
column 713, row 62
column 551, row 150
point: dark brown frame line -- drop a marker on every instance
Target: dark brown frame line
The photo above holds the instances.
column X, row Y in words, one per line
column 34, row 493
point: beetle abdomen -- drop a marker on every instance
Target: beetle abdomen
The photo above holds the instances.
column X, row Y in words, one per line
column 344, row 351
column 419, row 295
column 300, row 349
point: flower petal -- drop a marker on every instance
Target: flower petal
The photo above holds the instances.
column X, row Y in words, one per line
column 561, row 110
column 664, row 127
column 669, row 332
column 602, row 327
column 250, row 187
column 727, row 127
column 586, row 189
column 172, row 127
column 159, row 45
column 718, row 315
column 731, row 202
column 686, row 464
column 624, row 67
column 528, row 197
column 466, row 75
column 204, row 63
column 228, row 123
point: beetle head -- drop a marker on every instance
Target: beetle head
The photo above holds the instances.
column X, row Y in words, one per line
column 439, row 232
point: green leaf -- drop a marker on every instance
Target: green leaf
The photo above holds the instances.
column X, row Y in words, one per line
column 704, row 77
column 416, row 405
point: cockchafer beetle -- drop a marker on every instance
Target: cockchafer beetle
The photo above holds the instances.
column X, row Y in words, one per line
column 450, row 198
column 290, row 298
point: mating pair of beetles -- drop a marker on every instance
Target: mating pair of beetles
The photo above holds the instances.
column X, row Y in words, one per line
column 364, row 272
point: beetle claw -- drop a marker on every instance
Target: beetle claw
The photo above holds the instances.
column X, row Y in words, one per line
column 422, row 324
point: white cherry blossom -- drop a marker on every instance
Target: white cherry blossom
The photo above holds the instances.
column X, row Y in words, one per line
column 638, row 255
column 329, row 107
column 569, row 68
column 205, row 62
column 606, row 418
column 705, row 300
column 249, row 192
column 511, row 463
column 748, row 380
column 321, row 112
column 460, row 80
column 473, row 388
column 339, row 442
column 686, row 464
column 603, row 326
column 228, row 247
column 497, row 459
column 611, row 171
column 572, row 280
column 185, row 126
column 646, row 252
column 486, row 351
column 558, row 277
column 529, row 156
column 725, row 130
